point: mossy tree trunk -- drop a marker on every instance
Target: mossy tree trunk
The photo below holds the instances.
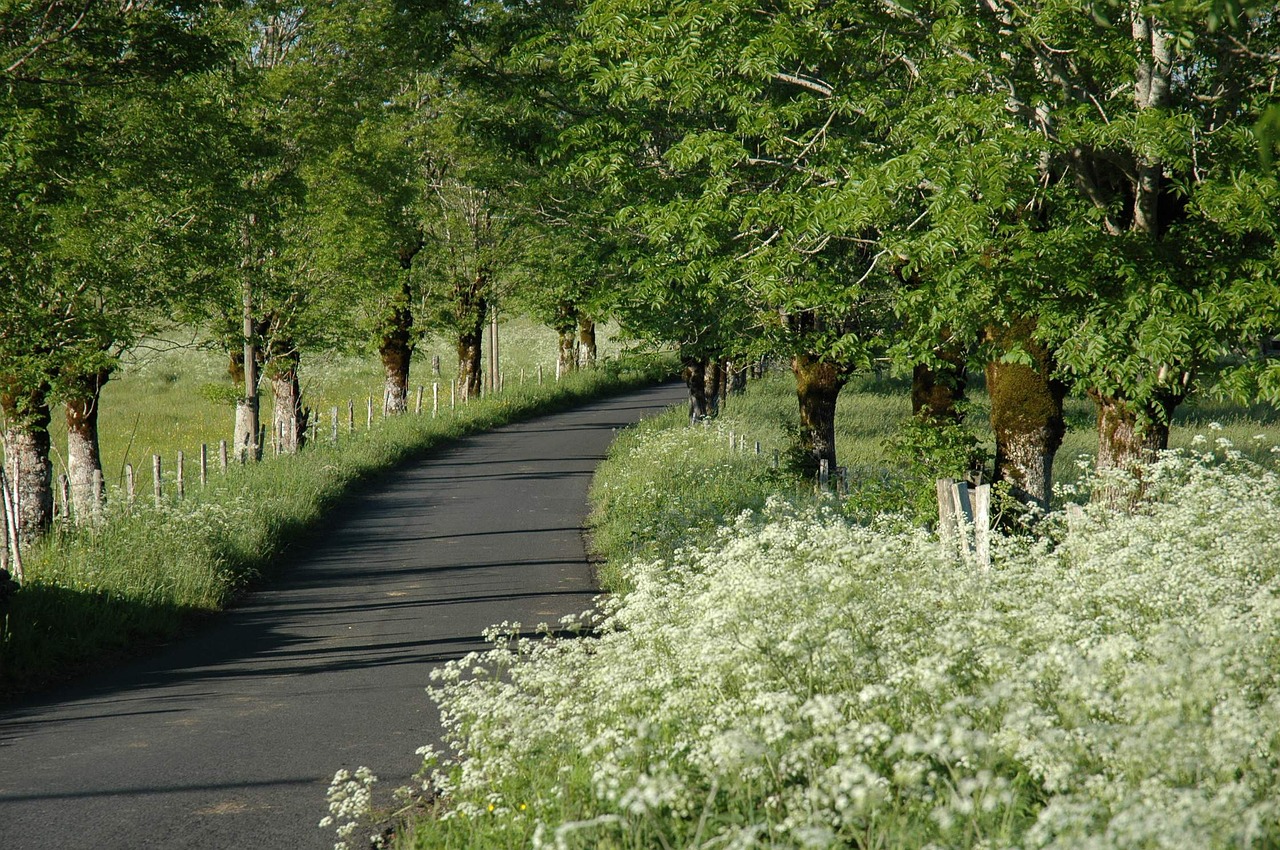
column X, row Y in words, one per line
column 84, row 457
column 1130, row 435
column 290, row 418
column 714, row 377
column 1026, row 414
column 938, row 392
column 567, row 328
column 735, row 377
column 818, row 386
column 566, row 351
column 26, row 457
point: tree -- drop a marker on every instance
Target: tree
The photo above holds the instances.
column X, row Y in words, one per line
column 93, row 221
column 1152, row 233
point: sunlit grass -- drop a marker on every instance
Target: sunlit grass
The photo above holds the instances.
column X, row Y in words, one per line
column 175, row 394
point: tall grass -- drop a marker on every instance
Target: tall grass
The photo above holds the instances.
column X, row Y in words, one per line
column 142, row 573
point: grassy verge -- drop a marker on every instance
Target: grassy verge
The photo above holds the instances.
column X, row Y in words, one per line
column 141, row 574
column 777, row 675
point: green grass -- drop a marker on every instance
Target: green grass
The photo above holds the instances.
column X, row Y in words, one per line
column 143, row 574
column 172, row 394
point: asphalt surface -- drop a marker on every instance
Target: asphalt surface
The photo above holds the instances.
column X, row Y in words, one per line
column 228, row 739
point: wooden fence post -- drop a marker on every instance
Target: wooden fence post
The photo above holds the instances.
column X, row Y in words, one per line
column 182, row 483
column 222, row 456
column 982, row 524
column 435, row 399
column 539, row 374
column 351, row 416
column 333, row 424
column 204, row 465
column 99, row 494
column 157, row 487
column 368, row 421
column 948, row 534
column 64, row 494
column 417, row 408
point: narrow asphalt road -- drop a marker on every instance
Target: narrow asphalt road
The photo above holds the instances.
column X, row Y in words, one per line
column 228, row 739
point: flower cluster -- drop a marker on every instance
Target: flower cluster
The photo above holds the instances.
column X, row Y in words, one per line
column 350, row 803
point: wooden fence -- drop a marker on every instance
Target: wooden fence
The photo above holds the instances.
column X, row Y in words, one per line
column 169, row 479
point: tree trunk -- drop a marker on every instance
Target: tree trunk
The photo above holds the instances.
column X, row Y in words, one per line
column 396, row 351
column 587, row 341
column 471, row 313
column 736, row 377
column 937, row 392
column 290, row 417
column 1026, row 415
column 84, row 459
column 818, row 385
column 26, row 459
column 396, row 347
column 1131, row 434
column 567, row 350
column 695, row 378
column 247, row 419
column 715, row 386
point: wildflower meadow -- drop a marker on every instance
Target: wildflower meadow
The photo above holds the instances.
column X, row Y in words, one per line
column 796, row 679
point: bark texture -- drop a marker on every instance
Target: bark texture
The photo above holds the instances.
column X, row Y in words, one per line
column 471, row 311
column 84, row 458
column 818, row 385
column 715, row 386
column 938, row 391
column 1130, row 435
column 290, row 417
column 587, row 342
column 694, row 373
column 396, row 352
column 26, row 458
column 396, row 346
column 247, row 446
column 735, row 377
column 1026, row 415
column 567, row 350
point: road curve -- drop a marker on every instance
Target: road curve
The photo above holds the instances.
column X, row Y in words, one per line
column 228, row 739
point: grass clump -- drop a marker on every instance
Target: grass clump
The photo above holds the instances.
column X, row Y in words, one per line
column 142, row 573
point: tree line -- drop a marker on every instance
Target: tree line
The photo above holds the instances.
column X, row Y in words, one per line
column 1072, row 196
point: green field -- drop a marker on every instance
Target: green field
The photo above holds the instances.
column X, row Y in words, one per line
column 171, row 393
